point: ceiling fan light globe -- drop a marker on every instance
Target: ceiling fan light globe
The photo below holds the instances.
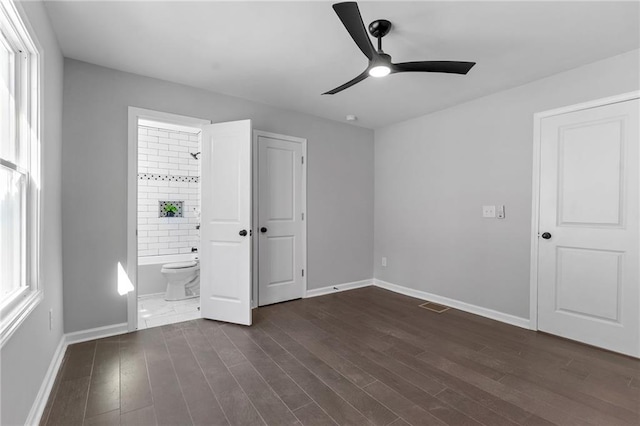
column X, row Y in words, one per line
column 379, row 71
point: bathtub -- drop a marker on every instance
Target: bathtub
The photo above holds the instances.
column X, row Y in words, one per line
column 150, row 280
column 166, row 258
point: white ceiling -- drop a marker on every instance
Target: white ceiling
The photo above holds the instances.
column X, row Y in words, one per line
column 287, row 53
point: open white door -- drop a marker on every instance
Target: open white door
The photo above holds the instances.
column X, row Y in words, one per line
column 225, row 233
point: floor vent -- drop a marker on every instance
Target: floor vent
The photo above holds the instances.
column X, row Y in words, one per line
column 435, row 307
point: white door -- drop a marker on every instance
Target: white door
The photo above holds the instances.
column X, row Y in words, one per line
column 280, row 219
column 225, row 232
column 588, row 248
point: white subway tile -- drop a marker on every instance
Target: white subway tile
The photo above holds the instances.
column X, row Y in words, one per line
column 149, row 228
column 158, row 245
column 179, row 136
column 147, row 151
column 146, row 138
column 156, row 158
column 157, row 133
column 178, row 233
column 194, row 138
column 169, row 251
column 160, row 233
column 147, row 163
column 151, row 252
column 159, row 183
column 147, row 240
column 179, row 149
column 159, row 146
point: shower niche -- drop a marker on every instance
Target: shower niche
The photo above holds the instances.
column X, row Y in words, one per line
column 170, row 208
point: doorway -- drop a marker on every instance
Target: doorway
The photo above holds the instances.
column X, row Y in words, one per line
column 585, row 251
column 163, row 218
column 280, row 199
column 230, row 195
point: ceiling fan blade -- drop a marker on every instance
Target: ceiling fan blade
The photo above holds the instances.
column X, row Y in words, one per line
column 349, row 14
column 348, row 84
column 451, row 67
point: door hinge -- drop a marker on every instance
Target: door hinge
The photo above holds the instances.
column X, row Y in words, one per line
column 303, row 272
column 302, row 216
column 303, row 159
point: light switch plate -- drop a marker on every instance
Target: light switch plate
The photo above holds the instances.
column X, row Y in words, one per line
column 500, row 212
column 488, row 211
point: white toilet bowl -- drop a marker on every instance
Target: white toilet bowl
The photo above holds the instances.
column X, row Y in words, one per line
column 183, row 280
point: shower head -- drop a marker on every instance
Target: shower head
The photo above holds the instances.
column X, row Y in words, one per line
column 194, row 154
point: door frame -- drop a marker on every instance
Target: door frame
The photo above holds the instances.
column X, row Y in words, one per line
column 256, row 218
column 134, row 114
column 535, row 212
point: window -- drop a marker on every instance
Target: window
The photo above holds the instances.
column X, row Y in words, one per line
column 19, row 172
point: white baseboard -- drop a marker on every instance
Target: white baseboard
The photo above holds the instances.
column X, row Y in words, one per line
column 95, row 333
column 338, row 287
column 47, row 384
column 463, row 306
column 37, row 409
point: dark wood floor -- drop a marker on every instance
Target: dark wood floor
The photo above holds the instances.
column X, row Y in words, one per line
column 366, row 356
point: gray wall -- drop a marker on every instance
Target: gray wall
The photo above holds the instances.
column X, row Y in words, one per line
column 25, row 358
column 434, row 173
column 94, row 182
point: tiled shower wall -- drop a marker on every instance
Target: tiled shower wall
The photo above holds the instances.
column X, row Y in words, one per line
column 167, row 172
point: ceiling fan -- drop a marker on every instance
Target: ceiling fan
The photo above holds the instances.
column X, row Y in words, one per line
column 380, row 63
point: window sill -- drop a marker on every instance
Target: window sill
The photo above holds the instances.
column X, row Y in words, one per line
column 12, row 321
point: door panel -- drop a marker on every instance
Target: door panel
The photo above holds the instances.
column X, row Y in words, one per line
column 590, row 173
column 225, row 255
column 588, row 274
column 280, row 207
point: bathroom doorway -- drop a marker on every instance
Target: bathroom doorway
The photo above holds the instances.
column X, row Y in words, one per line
column 165, row 161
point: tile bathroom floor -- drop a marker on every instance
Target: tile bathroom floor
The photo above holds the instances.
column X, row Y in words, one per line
column 154, row 311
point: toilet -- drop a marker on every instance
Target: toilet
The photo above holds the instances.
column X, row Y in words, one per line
column 183, row 280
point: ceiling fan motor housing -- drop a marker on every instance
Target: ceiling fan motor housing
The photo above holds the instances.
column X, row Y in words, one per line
column 379, row 28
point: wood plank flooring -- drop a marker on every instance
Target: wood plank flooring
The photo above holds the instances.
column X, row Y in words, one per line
column 362, row 357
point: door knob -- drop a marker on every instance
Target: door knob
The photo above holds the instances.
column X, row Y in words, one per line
column 546, row 235
column 263, row 229
column 243, row 233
